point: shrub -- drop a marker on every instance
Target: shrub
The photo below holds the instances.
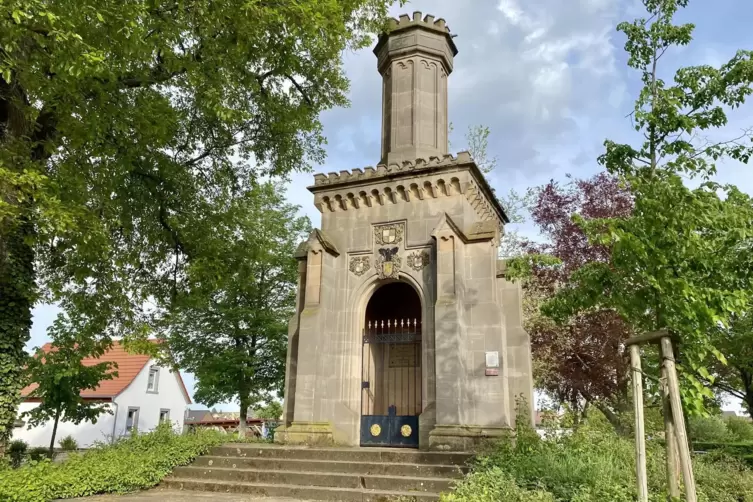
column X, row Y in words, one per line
column 493, row 485
column 38, row 453
column 133, row 463
column 740, row 429
column 735, row 449
column 17, row 452
column 591, row 466
column 712, row 429
column 68, row 443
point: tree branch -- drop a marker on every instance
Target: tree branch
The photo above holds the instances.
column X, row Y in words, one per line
column 300, row 89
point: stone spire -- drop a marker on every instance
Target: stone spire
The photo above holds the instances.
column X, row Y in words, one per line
column 414, row 59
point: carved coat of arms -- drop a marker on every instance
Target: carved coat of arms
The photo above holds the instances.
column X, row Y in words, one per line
column 359, row 265
column 418, row 260
column 388, row 234
column 388, row 263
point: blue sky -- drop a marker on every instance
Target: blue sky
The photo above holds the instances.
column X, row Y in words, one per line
column 548, row 77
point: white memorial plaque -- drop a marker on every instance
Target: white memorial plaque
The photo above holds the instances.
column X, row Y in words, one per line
column 492, row 359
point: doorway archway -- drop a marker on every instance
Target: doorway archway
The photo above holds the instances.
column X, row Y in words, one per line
column 391, row 367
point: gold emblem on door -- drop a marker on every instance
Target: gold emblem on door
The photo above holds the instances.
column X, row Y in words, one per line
column 375, row 430
column 406, row 431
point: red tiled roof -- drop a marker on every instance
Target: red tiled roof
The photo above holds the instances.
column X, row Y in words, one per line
column 128, row 367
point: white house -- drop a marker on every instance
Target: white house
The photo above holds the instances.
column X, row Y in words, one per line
column 142, row 395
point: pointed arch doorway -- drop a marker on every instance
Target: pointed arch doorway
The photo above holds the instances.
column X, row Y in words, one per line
column 391, row 367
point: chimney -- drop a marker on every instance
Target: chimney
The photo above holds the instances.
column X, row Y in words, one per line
column 414, row 58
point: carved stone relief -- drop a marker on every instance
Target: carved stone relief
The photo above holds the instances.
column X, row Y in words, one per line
column 418, row 260
column 386, row 235
column 388, row 263
column 359, row 265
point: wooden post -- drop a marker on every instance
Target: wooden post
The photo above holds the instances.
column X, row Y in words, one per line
column 668, row 362
column 670, row 438
column 640, row 435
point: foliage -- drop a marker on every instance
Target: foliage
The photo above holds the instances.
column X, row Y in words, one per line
column 591, row 466
column 122, row 125
column 60, row 376
column 740, row 429
column 492, row 484
column 676, row 260
column 230, row 326
column 68, row 443
column 734, row 447
column 39, row 453
column 17, row 451
column 719, row 429
column 734, row 375
column 270, row 411
column 137, row 462
column 711, row 429
column 583, row 361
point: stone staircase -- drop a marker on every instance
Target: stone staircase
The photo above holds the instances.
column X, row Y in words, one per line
column 346, row 474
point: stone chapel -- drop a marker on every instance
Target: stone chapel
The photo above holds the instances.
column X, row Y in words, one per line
column 406, row 332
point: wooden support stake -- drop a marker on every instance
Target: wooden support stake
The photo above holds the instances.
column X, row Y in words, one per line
column 670, row 438
column 668, row 362
column 640, row 434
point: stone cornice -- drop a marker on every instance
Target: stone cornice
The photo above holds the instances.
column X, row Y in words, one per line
column 353, row 183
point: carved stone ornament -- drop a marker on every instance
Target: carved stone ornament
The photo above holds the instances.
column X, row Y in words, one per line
column 386, row 235
column 388, row 263
column 359, row 265
column 418, row 260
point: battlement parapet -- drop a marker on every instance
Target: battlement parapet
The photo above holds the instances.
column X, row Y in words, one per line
column 388, row 170
column 405, row 21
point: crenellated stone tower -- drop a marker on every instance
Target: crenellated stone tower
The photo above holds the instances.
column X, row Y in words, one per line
column 406, row 331
column 414, row 61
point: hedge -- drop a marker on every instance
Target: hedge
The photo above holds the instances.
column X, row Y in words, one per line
column 737, row 448
column 135, row 463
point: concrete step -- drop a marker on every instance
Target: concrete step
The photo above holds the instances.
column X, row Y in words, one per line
column 391, row 455
column 334, row 466
column 295, row 491
column 316, row 479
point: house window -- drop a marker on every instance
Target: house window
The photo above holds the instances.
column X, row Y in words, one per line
column 164, row 416
column 151, row 386
column 132, row 420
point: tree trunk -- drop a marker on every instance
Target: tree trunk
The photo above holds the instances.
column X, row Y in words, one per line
column 747, row 379
column 243, row 414
column 17, row 287
column 613, row 418
column 54, row 432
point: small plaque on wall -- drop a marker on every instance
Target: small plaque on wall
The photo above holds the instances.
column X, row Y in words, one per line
column 402, row 355
column 492, row 359
column 492, row 372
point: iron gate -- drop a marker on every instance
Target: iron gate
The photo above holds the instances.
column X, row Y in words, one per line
column 391, row 383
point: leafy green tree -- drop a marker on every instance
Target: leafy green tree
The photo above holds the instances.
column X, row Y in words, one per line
column 59, row 376
column 122, row 123
column 270, row 411
column 681, row 260
column 229, row 328
column 733, row 375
